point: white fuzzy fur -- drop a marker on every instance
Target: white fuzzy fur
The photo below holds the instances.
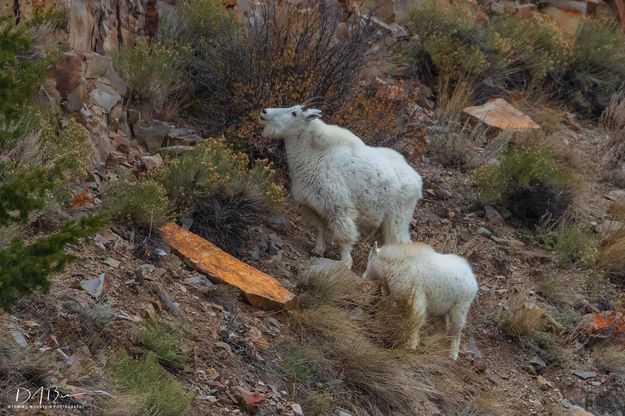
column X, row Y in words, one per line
column 341, row 184
column 442, row 285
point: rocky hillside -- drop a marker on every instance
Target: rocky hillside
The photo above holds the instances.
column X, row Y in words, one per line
column 152, row 261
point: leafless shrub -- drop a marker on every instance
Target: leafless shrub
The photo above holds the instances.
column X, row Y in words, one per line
column 285, row 55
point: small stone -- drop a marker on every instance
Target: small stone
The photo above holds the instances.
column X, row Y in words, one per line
column 223, row 346
column 104, row 96
column 151, row 135
column 607, row 227
column 19, row 338
column 538, row 362
column 616, row 195
column 112, row 262
column 444, row 194
column 31, row 324
column 297, row 409
column 575, row 410
column 471, row 345
column 96, row 286
column 150, row 162
column 148, row 312
column 212, row 399
column 493, row 215
column 595, row 383
column 182, row 136
column 480, row 365
column 257, row 338
column 543, row 383
column 530, row 369
column 484, row 232
column 69, row 359
column 340, row 412
column 198, row 280
column 492, row 378
column 212, row 374
column 175, row 150
column 274, row 322
column 133, row 116
column 247, row 400
column 585, row 375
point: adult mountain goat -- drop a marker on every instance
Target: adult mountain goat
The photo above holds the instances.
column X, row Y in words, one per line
column 340, row 183
column 439, row 285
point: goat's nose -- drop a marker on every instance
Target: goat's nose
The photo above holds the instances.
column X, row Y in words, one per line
column 264, row 111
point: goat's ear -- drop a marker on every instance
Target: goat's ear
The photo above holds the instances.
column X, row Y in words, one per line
column 313, row 114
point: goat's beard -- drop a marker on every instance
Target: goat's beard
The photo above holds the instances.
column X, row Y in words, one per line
column 270, row 132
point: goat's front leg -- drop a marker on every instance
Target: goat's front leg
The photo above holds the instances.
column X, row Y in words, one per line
column 346, row 233
column 419, row 308
column 320, row 243
column 320, row 225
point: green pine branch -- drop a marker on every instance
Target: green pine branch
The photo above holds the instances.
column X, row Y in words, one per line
column 26, row 267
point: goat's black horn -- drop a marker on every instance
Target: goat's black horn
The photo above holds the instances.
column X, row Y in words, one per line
column 311, row 101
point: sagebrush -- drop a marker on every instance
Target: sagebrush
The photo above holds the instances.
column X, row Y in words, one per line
column 530, row 184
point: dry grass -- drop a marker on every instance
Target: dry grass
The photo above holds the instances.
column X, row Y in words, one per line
column 350, row 333
column 521, row 318
column 610, row 358
column 611, row 257
column 488, row 404
column 459, row 97
column 552, row 289
column 21, row 367
column 613, row 121
column 463, row 144
column 547, row 113
column 327, row 282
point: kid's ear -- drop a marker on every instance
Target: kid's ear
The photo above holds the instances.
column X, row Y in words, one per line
column 313, row 114
column 374, row 250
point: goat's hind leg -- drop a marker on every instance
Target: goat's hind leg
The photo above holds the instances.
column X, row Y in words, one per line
column 456, row 319
column 396, row 227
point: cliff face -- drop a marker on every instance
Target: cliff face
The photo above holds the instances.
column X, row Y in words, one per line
column 93, row 25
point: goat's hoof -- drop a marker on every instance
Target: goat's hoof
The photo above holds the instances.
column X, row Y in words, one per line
column 316, row 253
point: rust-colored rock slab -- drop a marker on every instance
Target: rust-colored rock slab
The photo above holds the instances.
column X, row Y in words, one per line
column 497, row 112
column 262, row 290
column 568, row 15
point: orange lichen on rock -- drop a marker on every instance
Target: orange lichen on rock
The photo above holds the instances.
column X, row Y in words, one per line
column 262, row 290
column 601, row 321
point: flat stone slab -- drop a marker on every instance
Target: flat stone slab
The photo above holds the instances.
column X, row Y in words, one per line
column 497, row 112
column 260, row 289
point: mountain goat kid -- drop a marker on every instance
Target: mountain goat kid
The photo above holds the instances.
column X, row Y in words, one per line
column 340, row 183
column 440, row 285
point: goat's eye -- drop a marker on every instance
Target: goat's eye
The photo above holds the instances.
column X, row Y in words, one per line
column 294, row 113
